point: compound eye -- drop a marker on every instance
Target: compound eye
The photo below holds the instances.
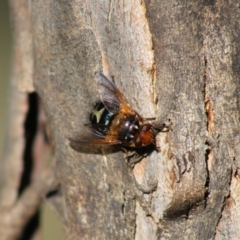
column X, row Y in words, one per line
column 146, row 127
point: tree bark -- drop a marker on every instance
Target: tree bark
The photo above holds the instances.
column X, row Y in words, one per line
column 176, row 60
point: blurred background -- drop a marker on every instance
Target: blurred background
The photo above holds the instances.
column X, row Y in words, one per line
column 51, row 226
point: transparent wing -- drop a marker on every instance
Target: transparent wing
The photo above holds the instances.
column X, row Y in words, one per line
column 110, row 95
column 92, row 134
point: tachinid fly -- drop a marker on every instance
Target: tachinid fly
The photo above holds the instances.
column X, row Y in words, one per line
column 113, row 121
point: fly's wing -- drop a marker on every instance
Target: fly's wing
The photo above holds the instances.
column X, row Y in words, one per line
column 112, row 98
column 92, row 134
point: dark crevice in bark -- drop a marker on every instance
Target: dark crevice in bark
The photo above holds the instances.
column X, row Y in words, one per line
column 154, row 217
column 123, row 204
column 153, row 70
column 53, row 193
column 205, row 74
column 208, row 145
column 30, row 127
column 207, row 102
column 31, row 228
column 207, row 192
column 205, row 88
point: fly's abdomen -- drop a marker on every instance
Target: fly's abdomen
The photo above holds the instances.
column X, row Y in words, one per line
column 100, row 115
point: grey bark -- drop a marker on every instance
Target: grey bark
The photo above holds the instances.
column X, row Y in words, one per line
column 176, row 60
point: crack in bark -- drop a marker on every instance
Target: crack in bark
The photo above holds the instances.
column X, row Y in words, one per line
column 207, row 192
column 22, row 220
column 30, row 128
column 152, row 72
column 123, row 204
column 208, row 145
column 208, row 103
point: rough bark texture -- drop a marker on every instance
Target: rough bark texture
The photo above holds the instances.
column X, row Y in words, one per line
column 176, row 60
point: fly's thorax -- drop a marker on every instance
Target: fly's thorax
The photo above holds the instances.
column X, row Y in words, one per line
column 127, row 127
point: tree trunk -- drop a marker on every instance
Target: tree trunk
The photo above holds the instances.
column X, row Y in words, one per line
column 176, row 60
